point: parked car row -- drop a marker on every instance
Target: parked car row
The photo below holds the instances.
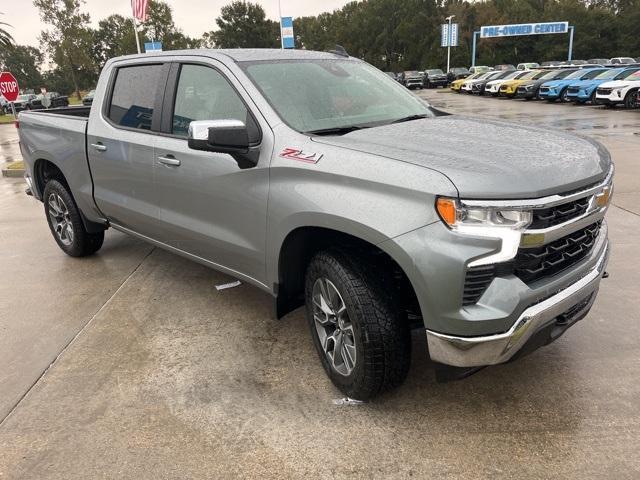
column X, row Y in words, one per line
column 30, row 101
column 609, row 86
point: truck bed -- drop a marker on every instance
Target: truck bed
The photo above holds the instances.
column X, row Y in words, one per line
column 59, row 136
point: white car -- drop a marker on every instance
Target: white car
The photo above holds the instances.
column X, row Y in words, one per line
column 493, row 87
column 620, row 92
column 467, row 86
column 527, row 66
column 622, row 61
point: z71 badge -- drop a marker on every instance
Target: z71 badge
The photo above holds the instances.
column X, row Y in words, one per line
column 297, row 154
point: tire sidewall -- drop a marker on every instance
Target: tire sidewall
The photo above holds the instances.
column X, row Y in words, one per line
column 324, row 270
column 76, row 247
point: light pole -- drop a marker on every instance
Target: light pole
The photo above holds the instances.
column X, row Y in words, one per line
column 448, row 19
column 280, row 23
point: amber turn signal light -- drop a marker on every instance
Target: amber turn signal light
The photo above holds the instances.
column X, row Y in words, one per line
column 447, row 210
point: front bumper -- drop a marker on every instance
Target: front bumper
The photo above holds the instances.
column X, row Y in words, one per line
column 499, row 348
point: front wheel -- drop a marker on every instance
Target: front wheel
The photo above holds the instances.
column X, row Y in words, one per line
column 631, row 100
column 360, row 333
column 66, row 224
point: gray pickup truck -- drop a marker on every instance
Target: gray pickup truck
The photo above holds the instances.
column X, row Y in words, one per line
column 320, row 180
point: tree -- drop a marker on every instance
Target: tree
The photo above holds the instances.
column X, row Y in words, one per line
column 160, row 26
column 24, row 62
column 243, row 25
column 6, row 40
column 113, row 37
column 70, row 41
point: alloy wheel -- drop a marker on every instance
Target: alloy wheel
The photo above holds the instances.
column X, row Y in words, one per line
column 60, row 219
column 333, row 326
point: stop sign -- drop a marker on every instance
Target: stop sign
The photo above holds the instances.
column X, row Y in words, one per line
column 9, row 86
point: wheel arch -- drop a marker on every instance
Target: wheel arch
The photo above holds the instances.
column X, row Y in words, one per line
column 302, row 243
column 45, row 170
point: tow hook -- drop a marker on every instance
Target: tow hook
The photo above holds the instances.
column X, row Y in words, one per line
column 28, row 191
column 605, row 275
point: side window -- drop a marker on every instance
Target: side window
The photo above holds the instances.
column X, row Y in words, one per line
column 204, row 94
column 134, row 95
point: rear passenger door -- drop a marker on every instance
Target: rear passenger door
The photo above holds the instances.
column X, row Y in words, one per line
column 120, row 144
column 210, row 207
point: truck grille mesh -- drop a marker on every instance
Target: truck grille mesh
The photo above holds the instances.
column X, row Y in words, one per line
column 549, row 217
column 532, row 264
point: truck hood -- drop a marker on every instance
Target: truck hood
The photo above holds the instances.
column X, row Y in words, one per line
column 486, row 158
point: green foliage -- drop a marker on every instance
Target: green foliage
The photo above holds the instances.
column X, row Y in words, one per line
column 70, row 41
column 6, row 40
column 160, row 27
column 24, row 62
column 243, row 25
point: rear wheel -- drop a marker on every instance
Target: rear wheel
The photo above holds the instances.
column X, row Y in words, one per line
column 360, row 333
column 66, row 224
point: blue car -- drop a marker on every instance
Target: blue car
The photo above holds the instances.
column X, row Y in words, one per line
column 584, row 91
column 557, row 89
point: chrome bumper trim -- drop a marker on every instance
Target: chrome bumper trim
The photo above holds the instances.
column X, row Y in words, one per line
column 499, row 348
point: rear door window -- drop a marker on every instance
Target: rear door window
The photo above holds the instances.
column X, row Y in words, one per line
column 134, row 96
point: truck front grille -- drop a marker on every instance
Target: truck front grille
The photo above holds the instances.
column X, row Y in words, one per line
column 532, row 264
column 549, row 217
column 604, row 91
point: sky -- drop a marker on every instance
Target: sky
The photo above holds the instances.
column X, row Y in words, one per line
column 194, row 17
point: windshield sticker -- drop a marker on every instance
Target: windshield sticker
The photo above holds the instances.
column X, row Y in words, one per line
column 297, row 154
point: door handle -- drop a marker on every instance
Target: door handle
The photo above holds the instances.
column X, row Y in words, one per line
column 99, row 147
column 169, row 160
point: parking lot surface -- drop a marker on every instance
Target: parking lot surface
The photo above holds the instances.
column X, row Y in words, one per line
column 156, row 374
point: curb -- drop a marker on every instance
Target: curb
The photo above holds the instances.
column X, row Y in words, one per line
column 13, row 173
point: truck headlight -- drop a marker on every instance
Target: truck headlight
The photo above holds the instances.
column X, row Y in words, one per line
column 455, row 216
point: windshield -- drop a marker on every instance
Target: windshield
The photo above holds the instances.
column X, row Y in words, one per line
column 459, row 70
column 24, row 98
column 634, row 76
column 529, row 75
column 313, row 95
column 436, row 71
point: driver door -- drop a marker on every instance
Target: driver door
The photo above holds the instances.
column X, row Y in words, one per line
column 209, row 206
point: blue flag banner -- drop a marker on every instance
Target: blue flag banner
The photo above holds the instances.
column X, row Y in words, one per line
column 152, row 47
column 286, row 30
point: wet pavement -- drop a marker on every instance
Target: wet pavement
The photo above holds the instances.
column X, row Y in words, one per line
column 9, row 148
column 156, row 374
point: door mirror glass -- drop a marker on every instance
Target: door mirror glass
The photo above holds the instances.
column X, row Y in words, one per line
column 223, row 136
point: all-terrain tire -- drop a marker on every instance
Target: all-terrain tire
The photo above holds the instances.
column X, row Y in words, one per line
column 380, row 329
column 66, row 224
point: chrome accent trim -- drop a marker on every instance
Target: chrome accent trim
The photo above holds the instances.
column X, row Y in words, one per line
column 548, row 235
column 543, row 202
column 499, row 348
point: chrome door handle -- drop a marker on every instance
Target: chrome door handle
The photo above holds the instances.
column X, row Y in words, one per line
column 171, row 161
column 99, row 147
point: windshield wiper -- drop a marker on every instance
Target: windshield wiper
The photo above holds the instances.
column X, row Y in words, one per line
column 335, row 130
column 411, row 117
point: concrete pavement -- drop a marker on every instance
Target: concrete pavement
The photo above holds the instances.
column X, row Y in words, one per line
column 169, row 378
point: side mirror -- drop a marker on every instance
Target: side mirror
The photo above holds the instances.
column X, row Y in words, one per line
column 222, row 136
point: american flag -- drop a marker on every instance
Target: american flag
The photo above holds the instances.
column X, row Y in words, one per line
column 140, row 9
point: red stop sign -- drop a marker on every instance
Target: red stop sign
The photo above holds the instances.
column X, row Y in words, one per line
column 9, row 86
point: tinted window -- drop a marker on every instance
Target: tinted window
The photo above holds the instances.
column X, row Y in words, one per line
column 134, row 95
column 204, row 94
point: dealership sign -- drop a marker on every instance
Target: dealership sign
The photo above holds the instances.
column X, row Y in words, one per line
column 494, row 31
column 449, row 35
column 286, row 32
